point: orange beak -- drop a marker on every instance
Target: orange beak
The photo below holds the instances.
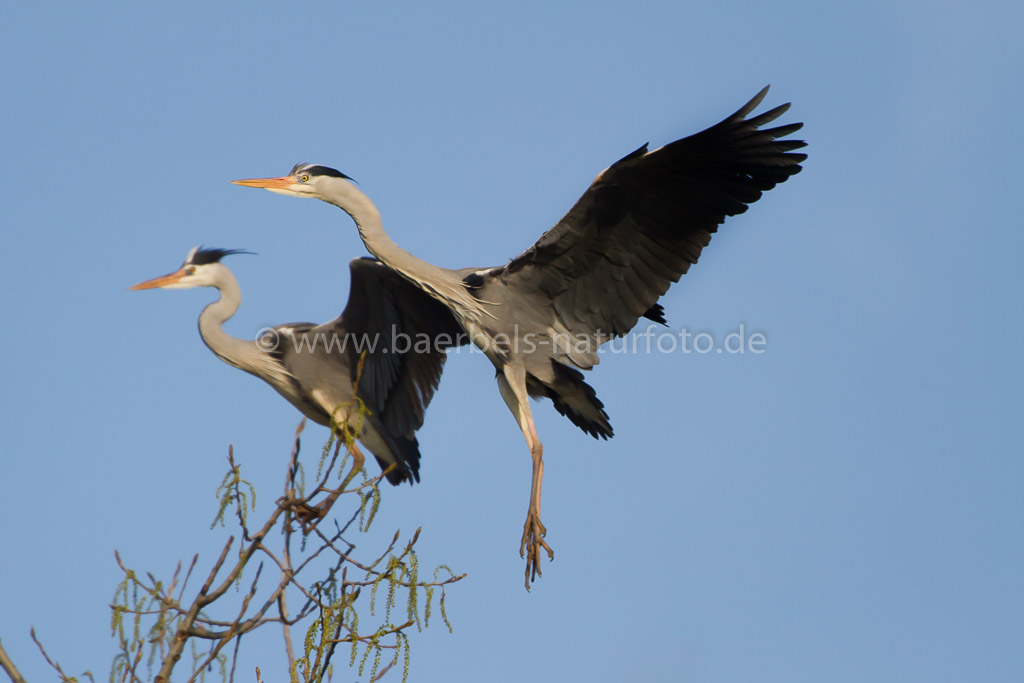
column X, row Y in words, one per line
column 161, row 281
column 283, row 182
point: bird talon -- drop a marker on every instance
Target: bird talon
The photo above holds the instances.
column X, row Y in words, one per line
column 309, row 515
column 529, row 548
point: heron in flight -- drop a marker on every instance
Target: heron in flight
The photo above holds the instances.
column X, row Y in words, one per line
column 541, row 317
column 316, row 367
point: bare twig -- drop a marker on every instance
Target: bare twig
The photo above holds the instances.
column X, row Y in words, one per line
column 234, row 658
column 63, row 677
column 188, row 575
column 9, row 668
column 333, row 597
column 130, row 670
column 282, row 606
column 184, row 631
column 380, row 674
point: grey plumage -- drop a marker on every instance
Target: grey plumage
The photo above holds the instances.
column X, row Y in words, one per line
column 315, row 367
column 541, row 318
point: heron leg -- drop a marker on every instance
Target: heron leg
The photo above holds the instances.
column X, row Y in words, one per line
column 512, row 385
column 358, row 459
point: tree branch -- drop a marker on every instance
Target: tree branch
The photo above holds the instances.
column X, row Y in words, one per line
column 8, row 666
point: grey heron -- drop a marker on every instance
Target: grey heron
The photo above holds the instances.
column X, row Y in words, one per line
column 315, row 366
column 541, row 317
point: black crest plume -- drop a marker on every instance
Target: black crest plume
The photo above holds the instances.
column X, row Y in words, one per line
column 201, row 257
column 317, row 169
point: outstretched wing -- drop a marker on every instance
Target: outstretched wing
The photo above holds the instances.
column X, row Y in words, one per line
column 646, row 218
column 404, row 333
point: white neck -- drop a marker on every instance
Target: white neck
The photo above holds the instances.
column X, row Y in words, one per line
column 440, row 283
column 240, row 353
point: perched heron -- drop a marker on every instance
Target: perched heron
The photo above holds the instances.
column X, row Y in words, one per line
column 316, row 367
column 541, row 317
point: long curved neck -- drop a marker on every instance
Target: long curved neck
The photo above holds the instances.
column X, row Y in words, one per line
column 438, row 282
column 237, row 352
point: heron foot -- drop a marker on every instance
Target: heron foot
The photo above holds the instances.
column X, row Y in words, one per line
column 533, row 540
column 308, row 515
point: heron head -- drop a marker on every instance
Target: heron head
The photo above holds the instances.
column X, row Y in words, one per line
column 304, row 180
column 202, row 268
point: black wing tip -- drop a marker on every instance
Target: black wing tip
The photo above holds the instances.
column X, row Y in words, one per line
column 785, row 159
column 766, row 117
column 784, row 130
column 656, row 313
column 635, row 154
column 752, row 104
column 756, row 100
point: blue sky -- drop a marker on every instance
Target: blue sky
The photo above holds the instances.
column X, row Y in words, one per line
column 845, row 506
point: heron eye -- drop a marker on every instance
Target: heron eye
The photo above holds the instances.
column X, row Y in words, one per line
column 304, row 178
column 191, row 270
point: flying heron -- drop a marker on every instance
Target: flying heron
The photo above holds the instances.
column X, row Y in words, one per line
column 541, row 318
column 316, row 367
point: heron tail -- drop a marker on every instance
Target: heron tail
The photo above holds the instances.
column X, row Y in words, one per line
column 578, row 401
column 407, row 460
